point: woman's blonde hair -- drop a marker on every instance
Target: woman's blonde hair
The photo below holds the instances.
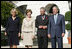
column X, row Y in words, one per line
column 14, row 9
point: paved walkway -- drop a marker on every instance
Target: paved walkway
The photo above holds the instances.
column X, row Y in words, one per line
column 49, row 46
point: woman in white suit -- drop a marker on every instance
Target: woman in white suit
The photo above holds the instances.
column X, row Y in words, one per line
column 28, row 29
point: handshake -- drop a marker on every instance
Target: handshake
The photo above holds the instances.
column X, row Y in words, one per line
column 43, row 27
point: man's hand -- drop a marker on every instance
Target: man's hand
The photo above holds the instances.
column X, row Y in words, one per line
column 44, row 27
column 5, row 33
column 40, row 27
column 49, row 36
column 63, row 34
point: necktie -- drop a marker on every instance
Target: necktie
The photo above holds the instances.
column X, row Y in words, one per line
column 55, row 18
column 43, row 17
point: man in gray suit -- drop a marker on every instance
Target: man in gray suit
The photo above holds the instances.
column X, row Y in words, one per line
column 56, row 28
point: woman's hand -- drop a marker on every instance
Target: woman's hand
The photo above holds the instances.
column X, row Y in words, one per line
column 22, row 37
column 18, row 34
column 33, row 36
column 5, row 33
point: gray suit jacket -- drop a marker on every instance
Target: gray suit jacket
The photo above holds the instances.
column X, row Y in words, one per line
column 58, row 28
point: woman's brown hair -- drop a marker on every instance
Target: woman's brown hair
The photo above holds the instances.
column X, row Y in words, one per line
column 28, row 10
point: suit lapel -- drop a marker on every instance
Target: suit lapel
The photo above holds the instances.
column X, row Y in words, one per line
column 53, row 19
column 57, row 18
column 41, row 18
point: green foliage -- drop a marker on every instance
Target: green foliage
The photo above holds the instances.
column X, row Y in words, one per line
column 68, row 16
column 3, row 39
column 5, row 12
column 68, row 26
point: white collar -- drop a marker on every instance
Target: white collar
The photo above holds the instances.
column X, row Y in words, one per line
column 56, row 14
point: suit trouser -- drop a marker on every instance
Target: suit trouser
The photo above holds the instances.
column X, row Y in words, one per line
column 59, row 41
column 42, row 42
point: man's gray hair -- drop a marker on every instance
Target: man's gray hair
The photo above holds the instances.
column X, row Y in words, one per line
column 43, row 8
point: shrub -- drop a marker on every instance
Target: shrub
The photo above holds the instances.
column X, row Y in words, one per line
column 68, row 16
column 68, row 26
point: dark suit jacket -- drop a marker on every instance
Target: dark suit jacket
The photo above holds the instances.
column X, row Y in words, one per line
column 13, row 25
column 58, row 28
column 39, row 22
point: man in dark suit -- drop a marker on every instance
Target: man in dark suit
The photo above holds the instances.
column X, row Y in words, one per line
column 41, row 24
column 56, row 28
